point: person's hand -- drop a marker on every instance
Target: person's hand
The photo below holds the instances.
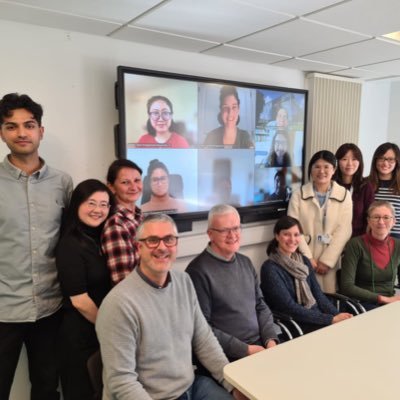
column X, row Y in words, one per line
column 322, row 268
column 314, row 263
column 341, row 317
column 271, row 343
column 254, row 348
column 238, row 395
column 387, row 299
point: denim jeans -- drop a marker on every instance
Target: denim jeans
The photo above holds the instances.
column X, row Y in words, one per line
column 205, row 388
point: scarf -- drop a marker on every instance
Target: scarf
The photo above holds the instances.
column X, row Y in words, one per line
column 295, row 266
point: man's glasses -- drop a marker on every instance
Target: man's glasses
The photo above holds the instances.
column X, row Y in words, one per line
column 165, row 115
column 226, row 231
column 390, row 160
column 92, row 205
column 152, row 242
column 385, row 218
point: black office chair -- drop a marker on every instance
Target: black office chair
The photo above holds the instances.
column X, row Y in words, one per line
column 95, row 369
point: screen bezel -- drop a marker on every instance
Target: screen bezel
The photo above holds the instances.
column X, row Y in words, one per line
column 252, row 213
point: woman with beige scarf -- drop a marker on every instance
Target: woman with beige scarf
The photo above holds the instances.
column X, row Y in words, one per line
column 289, row 284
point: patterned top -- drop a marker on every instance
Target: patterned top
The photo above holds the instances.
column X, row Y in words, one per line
column 118, row 242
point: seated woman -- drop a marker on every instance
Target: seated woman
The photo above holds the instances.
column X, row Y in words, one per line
column 370, row 261
column 289, row 284
column 160, row 126
column 160, row 198
column 228, row 134
column 85, row 281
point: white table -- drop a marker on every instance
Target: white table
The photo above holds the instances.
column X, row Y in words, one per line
column 357, row 359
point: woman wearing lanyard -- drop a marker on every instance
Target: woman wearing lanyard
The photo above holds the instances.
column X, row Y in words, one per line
column 324, row 210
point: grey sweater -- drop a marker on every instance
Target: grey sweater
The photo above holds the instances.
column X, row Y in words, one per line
column 147, row 336
column 231, row 300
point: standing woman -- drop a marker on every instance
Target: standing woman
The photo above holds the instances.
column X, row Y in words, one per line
column 385, row 179
column 350, row 175
column 118, row 240
column 84, row 283
column 324, row 210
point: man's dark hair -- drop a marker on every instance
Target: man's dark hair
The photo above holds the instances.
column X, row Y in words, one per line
column 14, row 101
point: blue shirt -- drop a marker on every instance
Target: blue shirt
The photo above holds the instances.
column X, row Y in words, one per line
column 30, row 217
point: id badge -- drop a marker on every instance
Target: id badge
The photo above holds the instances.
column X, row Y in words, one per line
column 324, row 239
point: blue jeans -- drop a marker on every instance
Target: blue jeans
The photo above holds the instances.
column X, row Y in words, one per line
column 205, row 388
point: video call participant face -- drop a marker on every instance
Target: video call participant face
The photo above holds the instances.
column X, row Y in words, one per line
column 230, row 111
column 280, row 145
column 280, row 184
column 127, row 187
column 160, row 116
column 225, row 234
column 282, row 119
column 159, row 182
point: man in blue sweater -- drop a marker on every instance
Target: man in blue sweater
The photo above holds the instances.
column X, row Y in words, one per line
column 228, row 290
column 150, row 323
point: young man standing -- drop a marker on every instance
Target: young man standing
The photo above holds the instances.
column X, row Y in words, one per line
column 32, row 199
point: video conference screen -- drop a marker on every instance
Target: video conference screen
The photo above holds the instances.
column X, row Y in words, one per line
column 202, row 142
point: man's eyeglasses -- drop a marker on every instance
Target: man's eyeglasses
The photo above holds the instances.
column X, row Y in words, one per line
column 153, row 242
column 390, row 160
column 165, row 115
column 226, row 231
column 385, row 218
column 92, row 205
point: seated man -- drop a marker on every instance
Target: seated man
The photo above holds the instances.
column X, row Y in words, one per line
column 228, row 290
column 149, row 324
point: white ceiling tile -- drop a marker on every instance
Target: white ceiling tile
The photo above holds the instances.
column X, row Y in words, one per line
column 42, row 17
column 359, row 54
column 115, row 10
column 297, row 38
column 374, row 17
column 293, row 7
column 308, row 65
column 244, row 54
column 357, row 73
column 160, row 39
column 215, row 20
column 388, row 67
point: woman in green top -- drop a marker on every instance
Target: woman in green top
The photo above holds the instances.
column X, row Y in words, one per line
column 370, row 261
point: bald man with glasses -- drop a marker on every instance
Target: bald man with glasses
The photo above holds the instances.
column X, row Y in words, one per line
column 228, row 289
column 149, row 325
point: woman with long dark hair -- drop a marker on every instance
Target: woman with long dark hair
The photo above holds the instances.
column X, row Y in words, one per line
column 385, row 179
column 228, row 134
column 84, row 281
column 161, row 129
column 350, row 175
column 288, row 280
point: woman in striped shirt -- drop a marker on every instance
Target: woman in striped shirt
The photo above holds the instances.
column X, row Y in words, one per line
column 385, row 178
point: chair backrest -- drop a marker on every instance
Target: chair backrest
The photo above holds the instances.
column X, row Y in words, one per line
column 95, row 369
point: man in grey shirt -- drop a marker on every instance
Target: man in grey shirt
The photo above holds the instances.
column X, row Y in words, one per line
column 149, row 324
column 32, row 198
column 228, row 290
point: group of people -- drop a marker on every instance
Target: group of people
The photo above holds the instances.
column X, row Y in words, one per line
column 100, row 275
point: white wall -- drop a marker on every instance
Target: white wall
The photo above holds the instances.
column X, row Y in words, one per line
column 394, row 114
column 72, row 75
column 375, row 102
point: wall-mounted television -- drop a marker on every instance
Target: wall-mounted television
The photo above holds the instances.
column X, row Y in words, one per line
column 203, row 141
